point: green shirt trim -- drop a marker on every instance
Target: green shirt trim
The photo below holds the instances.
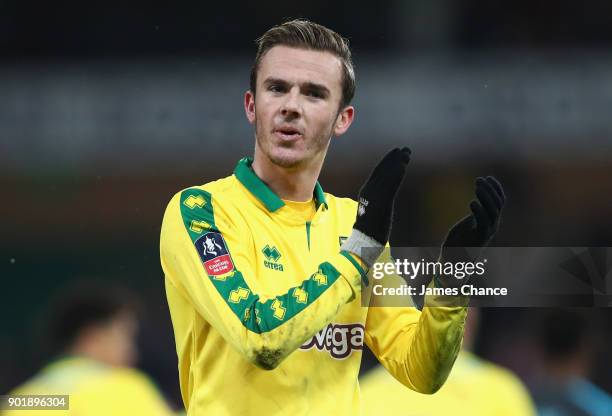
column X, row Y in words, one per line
column 319, row 195
column 245, row 174
column 308, row 233
column 257, row 316
column 362, row 272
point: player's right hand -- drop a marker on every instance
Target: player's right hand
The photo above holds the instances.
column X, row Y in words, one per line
column 377, row 196
column 375, row 210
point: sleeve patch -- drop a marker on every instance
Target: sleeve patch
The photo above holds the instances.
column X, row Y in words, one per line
column 214, row 254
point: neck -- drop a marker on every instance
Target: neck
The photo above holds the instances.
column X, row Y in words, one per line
column 84, row 349
column 294, row 184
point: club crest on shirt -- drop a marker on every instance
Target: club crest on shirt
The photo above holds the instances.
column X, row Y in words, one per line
column 214, row 254
column 338, row 339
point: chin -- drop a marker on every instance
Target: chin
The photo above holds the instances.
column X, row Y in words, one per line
column 285, row 161
column 285, row 155
column 286, row 158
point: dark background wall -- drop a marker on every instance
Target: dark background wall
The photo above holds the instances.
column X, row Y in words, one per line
column 107, row 109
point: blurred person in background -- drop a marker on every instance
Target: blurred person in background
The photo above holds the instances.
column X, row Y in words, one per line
column 92, row 335
column 474, row 387
column 569, row 340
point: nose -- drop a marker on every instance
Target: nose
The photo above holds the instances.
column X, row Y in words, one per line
column 291, row 106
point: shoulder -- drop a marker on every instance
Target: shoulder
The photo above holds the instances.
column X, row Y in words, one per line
column 199, row 198
column 127, row 383
column 62, row 374
column 344, row 211
column 30, row 387
column 498, row 378
column 341, row 204
column 132, row 391
column 217, row 188
column 202, row 208
column 130, row 378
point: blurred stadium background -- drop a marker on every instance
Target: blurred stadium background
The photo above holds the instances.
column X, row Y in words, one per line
column 108, row 108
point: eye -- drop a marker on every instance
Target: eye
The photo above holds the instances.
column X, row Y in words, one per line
column 315, row 94
column 276, row 88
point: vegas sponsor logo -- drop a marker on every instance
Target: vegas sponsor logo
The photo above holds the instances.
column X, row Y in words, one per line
column 340, row 340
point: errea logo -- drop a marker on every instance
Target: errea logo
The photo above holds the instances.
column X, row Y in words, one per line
column 272, row 256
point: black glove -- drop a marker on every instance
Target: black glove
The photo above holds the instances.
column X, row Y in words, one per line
column 478, row 228
column 377, row 196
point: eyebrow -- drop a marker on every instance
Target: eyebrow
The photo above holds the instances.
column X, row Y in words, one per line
column 312, row 86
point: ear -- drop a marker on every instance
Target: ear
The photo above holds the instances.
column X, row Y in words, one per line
column 344, row 120
column 249, row 106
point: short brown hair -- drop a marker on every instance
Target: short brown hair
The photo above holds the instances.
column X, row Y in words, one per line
column 304, row 34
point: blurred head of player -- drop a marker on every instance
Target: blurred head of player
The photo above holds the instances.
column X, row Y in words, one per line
column 569, row 339
column 302, row 83
column 95, row 321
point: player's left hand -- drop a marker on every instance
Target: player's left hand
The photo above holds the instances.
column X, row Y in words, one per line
column 478, row 228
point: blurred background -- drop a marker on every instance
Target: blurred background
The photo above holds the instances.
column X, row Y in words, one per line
column 107, row 109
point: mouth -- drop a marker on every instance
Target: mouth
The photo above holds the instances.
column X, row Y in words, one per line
column 287, row 133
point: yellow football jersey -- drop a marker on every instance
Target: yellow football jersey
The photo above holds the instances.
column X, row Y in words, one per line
column 475, row 387
column 94, row 389
column 267, row 310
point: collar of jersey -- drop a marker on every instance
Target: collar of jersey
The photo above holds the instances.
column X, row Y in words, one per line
column 244, row 173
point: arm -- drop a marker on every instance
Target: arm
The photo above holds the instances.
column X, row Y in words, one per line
column 221, row 288
column 417, row 348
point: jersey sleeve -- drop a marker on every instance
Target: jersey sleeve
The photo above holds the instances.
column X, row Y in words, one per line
column 418, row 348
column 208, row 258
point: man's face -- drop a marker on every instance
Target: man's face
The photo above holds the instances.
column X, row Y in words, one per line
column 116, row 340
column 296, row 110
